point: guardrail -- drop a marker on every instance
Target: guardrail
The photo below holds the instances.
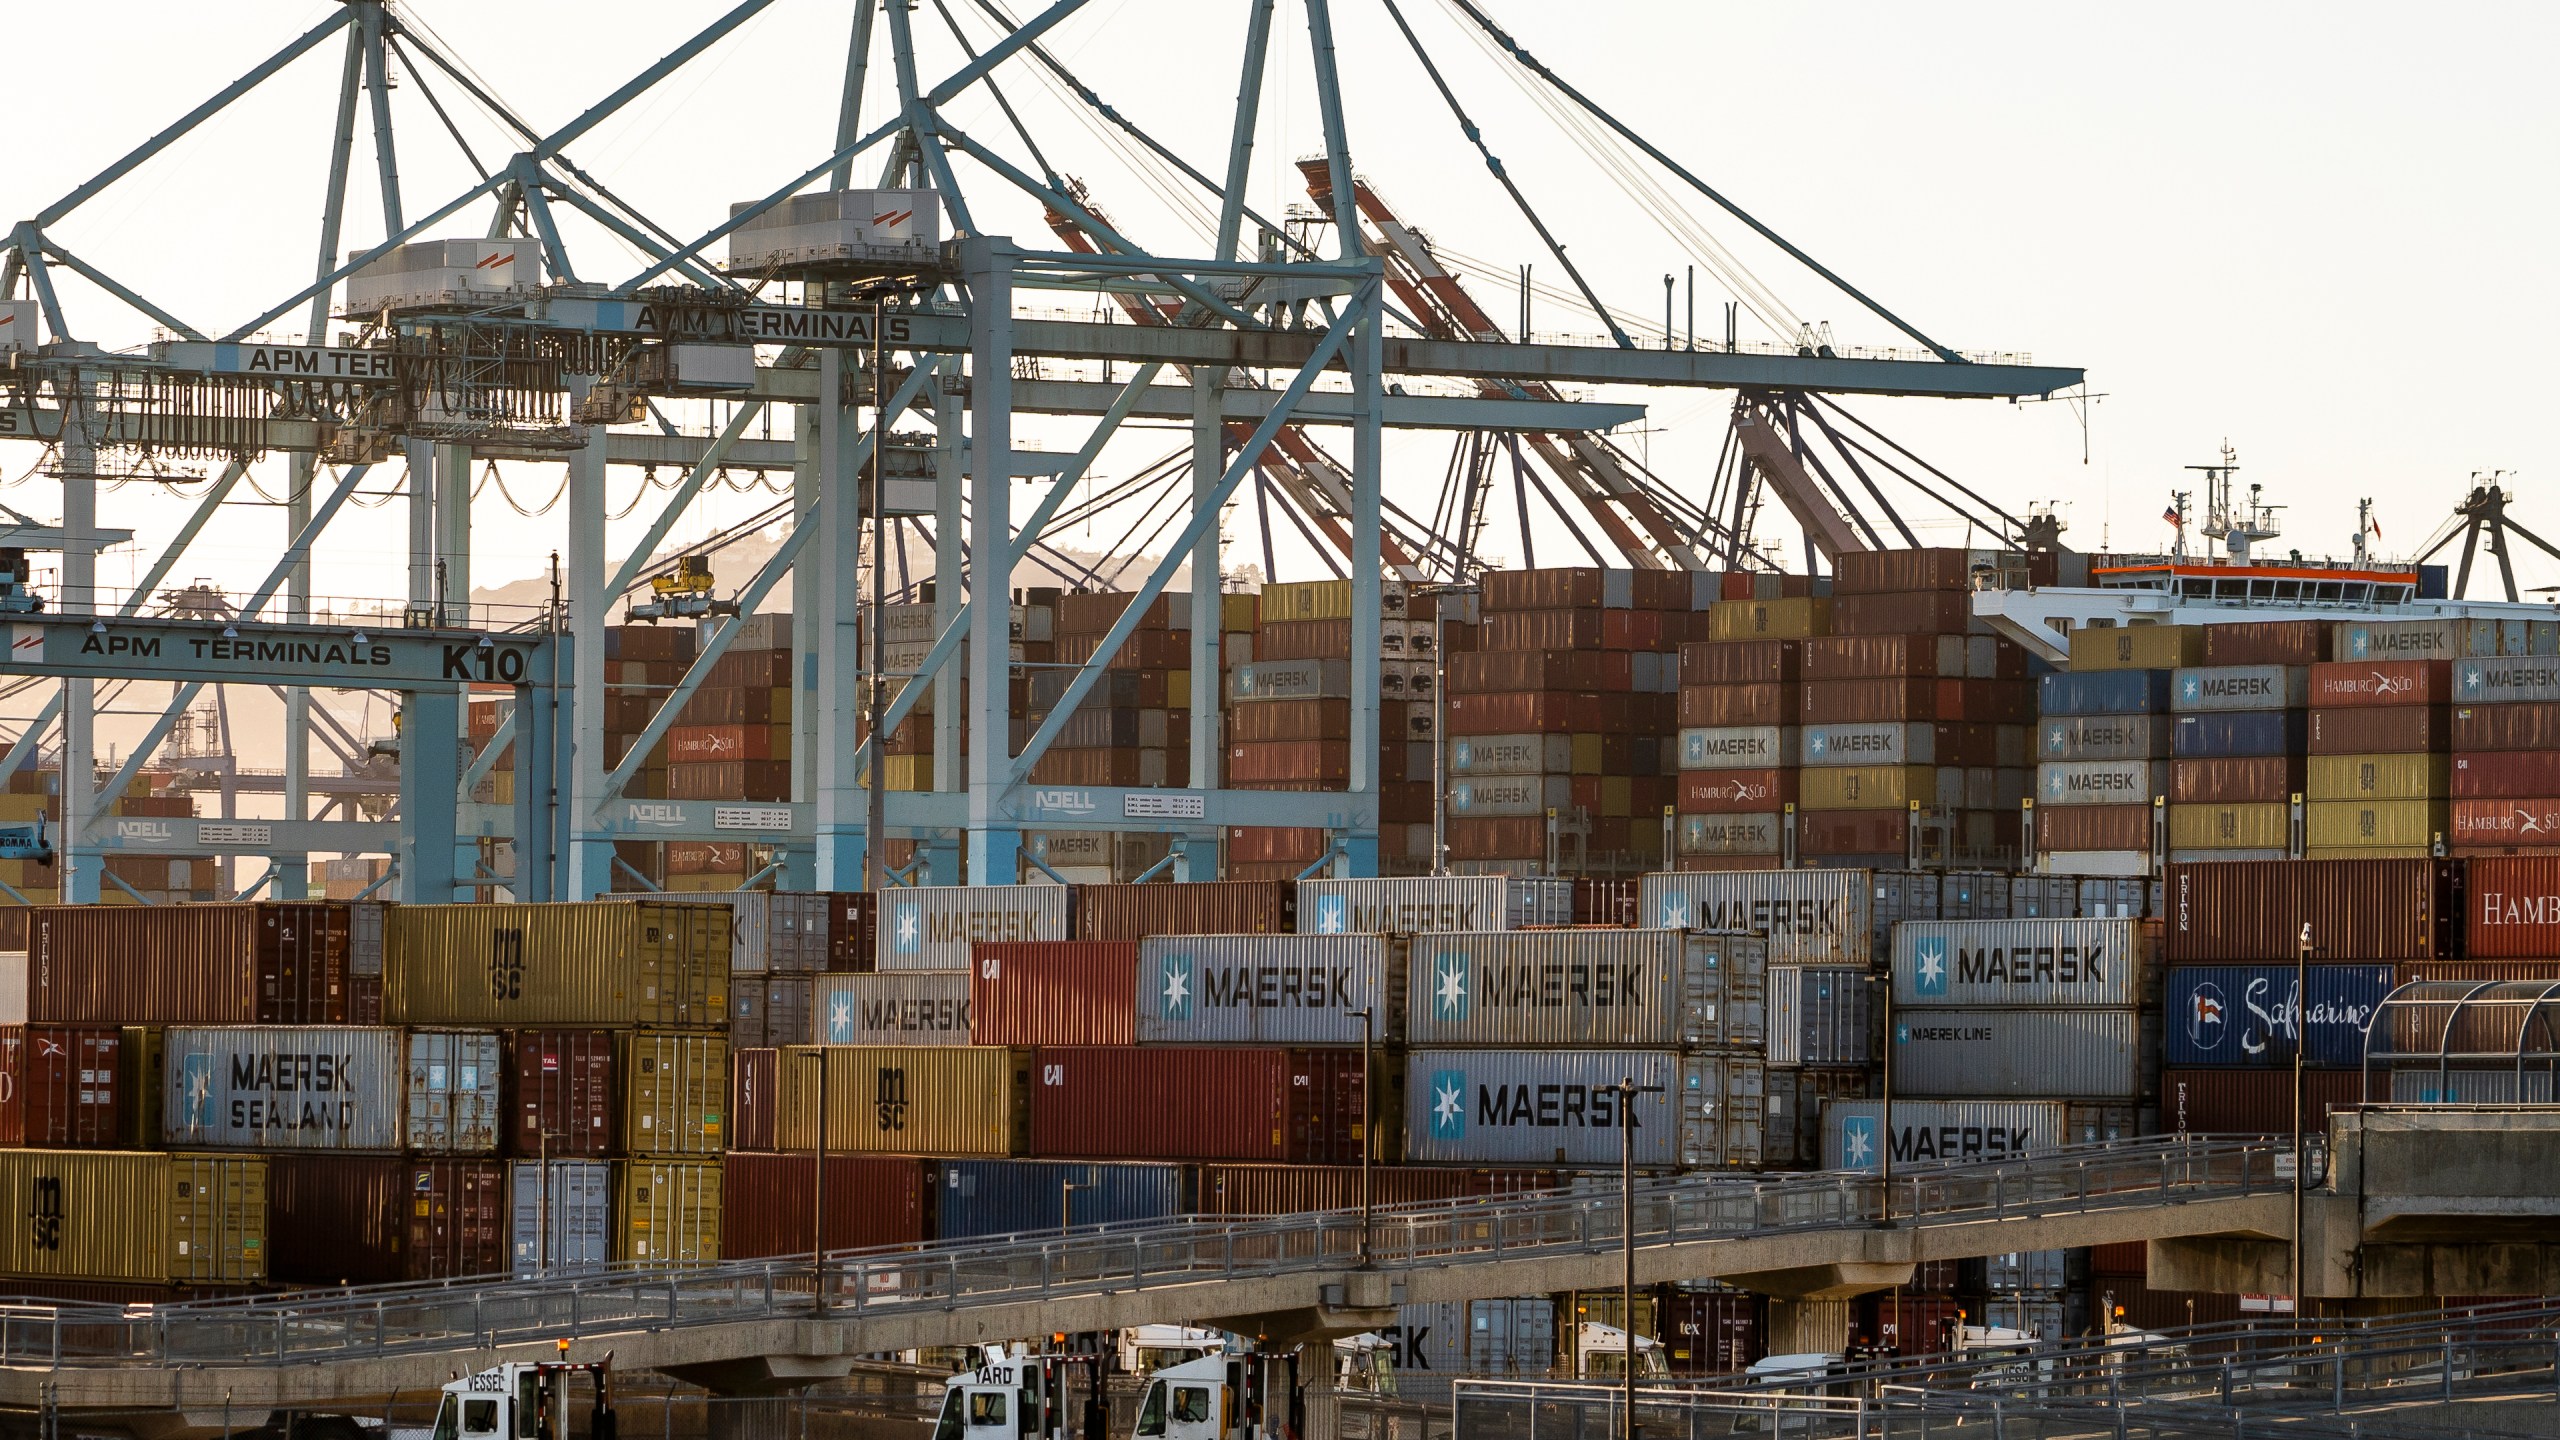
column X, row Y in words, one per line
column 1088, row 1260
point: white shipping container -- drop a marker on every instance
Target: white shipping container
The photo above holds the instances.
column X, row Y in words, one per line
column 364, row 939
column 454, row 1084
column 1290, row 680
column 1434, row 1344
column 1560, row 1107
column 1269, row 989
column 931, row 927
column 832, row 225
column 2046, row 962
column 2104, row 737
column 2507, row 680
column 575, row 1197
column 1738, row 747
column 1822, row 1015
column 2064, row 1054
column 2101, row 782
column 1511, row 755
column 1681, row 989
column 1751, row 834
column 1512, row 796
column 1413, row 904
column 896, row 1007
column 2205, row 689
column 1812, row 917
column 1879, row 742
column 282, row 1087
column 1926, row 1132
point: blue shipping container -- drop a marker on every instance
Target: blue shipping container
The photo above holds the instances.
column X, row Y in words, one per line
column 2239, row 732
column 2103, row 692
column 1006, row 1197
column 2236, row 1016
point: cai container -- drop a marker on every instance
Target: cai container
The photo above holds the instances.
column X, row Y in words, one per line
column 1559, row 1107
column 59, row 1086
column 2247, row 1015
column 1220, row 907
column 1054, row 992
column 974, row 1198
column 2045, row 963
column 1292, row 1106
column 1413, row 904
column 455, row 1081
column 871, row 1200
column 1812, row 917
column 110, row 1215
column 674, row 1096
column 604, row 962
column 1621, row 989
column 2067, row 1054
column 931, row 927
column 2511, row 907
column 666, row 1212
column 560, row 1216
column 2241, row 910
column 904, row 1100
column 282, row 1087
column 279, row 963
column 1821, row 1016
column 893, row 1007
column 1265, row 990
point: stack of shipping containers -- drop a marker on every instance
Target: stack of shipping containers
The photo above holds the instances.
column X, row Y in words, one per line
column 2103, row 735
column 732, row 739
column 2381, row 802
column 1134, row 726
column 2239, row 741
column 1289, row 722
column 1739, row 743
column 2506, row 753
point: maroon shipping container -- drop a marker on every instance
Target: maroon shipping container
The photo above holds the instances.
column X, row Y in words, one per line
column 1930, row 612
column 2252, row 1101
column 1872, row 572
column 2235, row 780
column 1122, row 767
column 750, row 670
column 58, row 1087
column 1514, row 837
column 1992, row 702
column 2512, row 908
column 734, row 706
column 1229, row 907
column 766, row 1201
column 2382, row 682
column 559, row 1088
column 755, row 1078
column 1877, row 657
column 1740, row 662
column 1262, row 762
column 1290, row 720
column 364, row 999
column 1605, row 902
column 1579, row 630
column 1543, row 712
column 2093, row 827
column 2382, row 730
column 1904, row 1323
column 1843, row 702
column 852, row 932
column 365, row 1219
column 1713, row 1332
column 763, row 780
column 1299, row 1189
column 694, row 743
column 2146, row 1309
column 1853, row 832
column 2358, row 910
column 1716, row 705
column 1479, row 672
column 2493, row 774
column 1297, row 1107
column 255, row 964
column 1570, row 587
column 1273, row 844
column 1302, row 640
column 1094, row 612
column 2131, row 1257
column 2530, row 726
column 2473, row 972
column 1735, row 792
column 2267, row 642
column 1054, row 992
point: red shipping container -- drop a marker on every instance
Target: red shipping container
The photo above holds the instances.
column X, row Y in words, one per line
column 745, row 670
column 1094, row 612
column 1735, row 792
column 1291, row 720
column 765, row 780
column 1261, row 762
column 1931, row 612
column 2234, row 780
column 2267, row 642
column 872, row 1200
column 1516, row 837
column 693, row 743
column 1258, row 844
column 58, row 1087
column 2382, row 730
column 1301, row 1189
column 2473, row 972
column 2512, row 907
column 852, row 926
column 1604, row 902
column 1229, row 907
column 1903, row 1323
column 1302, row 640
column 1740, row 662
column 1713, row 1332
column 2533, row 726
column 755, row 1077
column 1853, row 832
column 2382, row 682
column 1841, row 702
column 559, row 1087
column 1490, row 671
column 368, row 1219
column 2092, row 827
column 2528, row 824
column 736, row 707
column 2131, row 1257
column 2254, row 1101
column 2490, row 774
column 1545, row 712
column 1737, row 705
column 1878, row 657
column 1296, row 1107
column 1053, row 992
column 1870, row 572
column 234, row 964
column 2368, row 910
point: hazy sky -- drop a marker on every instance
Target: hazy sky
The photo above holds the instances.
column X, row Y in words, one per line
column 2316, row 230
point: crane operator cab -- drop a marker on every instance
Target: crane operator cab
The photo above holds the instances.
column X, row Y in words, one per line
column 523, row 1400
column 1223, row 1397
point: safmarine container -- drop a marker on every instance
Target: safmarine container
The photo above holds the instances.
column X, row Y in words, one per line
column 1634, row 989
column 1413, row 904
column 894, row 1007
column 666, row 1212
column 655, row 963
column 778, row 931
column 455, row 1084
column 238, row 964
column 931, row 927
column 899, row 1100
column 1812, row 917
column 1220, row 907
column 560, row 1216
column 871, row 1200
column 1560, row 1107
column 59, row 1087
column 1268, row 990
column 2067, row 1054
column 2246, row 1015
column 2357, row 909
column 2102, row 737
column 116, row 1215
column 2094, row 963
column 1821, row 1016
column 1200, row 1103
column 1930, row 1131
column 675, row 1093
column 2206, row 688
column 1012, row 1197
column 282, row 1087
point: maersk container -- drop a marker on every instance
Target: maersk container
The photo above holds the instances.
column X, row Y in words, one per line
column 1821, row 1016
column 607, row 962
column 113, row 1215
column 1010, row 1197
column 364, row 939
column 778, row 932
column 1812, row 917
column 2240, row 732
column 1270, row 989
column 283, row 1087
column 931, row 927
column 2103, row 692
column 666, row 1212
column 1740, row 747
column 1414, row 904
column 2071, row 1054
column 1436, row 1343
column 1511, row 755
column 2105, row 963
column 894, row 1007
column 2101, row 782
column 2206, row 689
column 1876, row 742
column 1929, row 1131
column 902, row 1100
column 2102, row 737
column 1640, row 989
column 1509, row 797
column 2506, row 681
column 1560, row 1107
column 2245, row 1015
column 560, row 1216
column 455, row 1081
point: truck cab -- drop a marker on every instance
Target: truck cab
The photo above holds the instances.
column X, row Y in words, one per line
column 1222, row 1397
column 1014, row 1393
column 1145, row 1349
column 1365, row 1364
column 1600, row 1353
column 525, row 1400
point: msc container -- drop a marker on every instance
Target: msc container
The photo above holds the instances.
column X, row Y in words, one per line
column 1230, row 1190
column 347, row 1219
column 1443, row 902
column 2247, row 1015
column 1631, row 989
column 2357, row 909
column 111, row 1215
column 2257, row 1101
column 2137, row 648
column 1266, row 990
column 1560, row 1107
column 901, row 1100
column 2383, row 777
column 1812, row 917
column 560, row 1216
column 2103, row 692
column 238, row 964
column 2208, row 688
column 2511, row 907
column 2357, row 823
column 2240, row 732
column 1927, row 1131
column 675, row 1091
column 1741, row 747
column 606, row 962
column 778, row 932
column 894, row 1007
column 666, row 1212
column 2100, row 782
column 456, row 1088
column 59, row 1086
column 2103, row 737
column 2103, row 963
column 2506, row 681
column 871, row 1200
column 931, row 927
column 2071, row 1054
column 559, row 1092
column 1198, row 1103
column 1821, row 1015
column 282, row 1087
column 1011, row 1197
column 1222, row 907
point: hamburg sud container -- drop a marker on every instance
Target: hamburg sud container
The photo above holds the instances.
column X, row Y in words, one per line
column 456, row 1082
column 2043, row 963
column 283, row 1087
column 560, row 1215
column 1269, row 989
column 608, row 962
column 1052, row 992
column 1299, row 1107
column 2512, row 907
column 1560, row 1107
column 59, row 1086
column 1006, row 1197
column 2068, row 1054
column 1812, row 917
column 2249, row 1015
column 2357, row 909
column 120, row 1216
column 1414, row 904
column 257, row 964
column 1632, row 989
column 898, row 1100
column 895, row 1007
column 931, row 927
column 1854, row 1132
column 559, row 1092
column 666, row 1212
column 871, row 1200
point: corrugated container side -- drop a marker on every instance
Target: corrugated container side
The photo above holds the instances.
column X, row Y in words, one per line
column 60, row 1087
column 236, row 964
column 613, row 962
column 2357, row 909
column 1226, row 907
column 1812, row 917
column 2511, row 907
column 1418, row 903
column 120, row 1216
column 339, row 1219
column 1618, row 988
column 1268, row 989
column 754, row 1080
column 871, row 1200
column 561, row 1216
column 2246, row 1015
column 675, row 1091
column 1822, row 1015
column 1006, row 1197
column 2074, row 1054
column 1199, row 1103
column 905, row 1100
column 1791, row 1134
column 1059, row 992
column 277, row 1087
column 894, row 1007
column 1559, row 1107
column 932, row 927
column 364, row 939
column 667, row 1212
column 456, row 1092
column 1300, row 1189
column 2252, row 1102
column 2023, row 962
column 1926, row 1131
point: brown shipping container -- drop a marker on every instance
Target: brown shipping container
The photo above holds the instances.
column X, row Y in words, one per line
column 1518, row 837
column 2506, row 823
column 1713, row 1332
column 559, row 1093
column 1479, row 672
column 2474, row 972
column 1840, row 702
column 765, row 780
column 2381, row 682
column 2492, row 774
column 2267, row 642
column 2130, row 1257
column 1870, row 572
column 365, row 1219
column 1302, row 640
column 1297, row 1107
column 1094, row 612
column 1875, row 657
column 2512, row 908
column 2242, row 910
column 1543, row 712
column 2532, row 725
column 1054, row 992
column 753, row 1074
column 1577, row 630
column 687, row 744
column 1231, row 907
column 872, row 1200
column 1735, row 792
column 1722, row 705
column 2236, row 780
column 1262, row 762
column 1853, row 832
column 1740, row 662
column 614, row 962
column 1301, row 1189
column 750, row 670
column 731, row 705
column 59, row 1087
column 1289, row 720
column 1932, row 612
column 905, row 1100
column 2253, row 1101
column 1257, row 844
column 853, row 944
column 259, row 964
column 2381, row 730
column 2093, row 827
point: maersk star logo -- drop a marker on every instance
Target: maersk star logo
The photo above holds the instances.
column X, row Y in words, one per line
column 1462, row 755
column 1461, row 796
column 1448, row 1103
column 1858, row 1143
column 2191, row 687
column 909, row 935
column 1675, row 912
column 840, row 1020
column 2056, row 738
column 1449, row 986
column 2470, row 679
column 1931, row 969
column 1818, row 746
column 1173, row 986
column 196, row 1091
column 2359, row 642
column 1329, row 915
column 2053, row 784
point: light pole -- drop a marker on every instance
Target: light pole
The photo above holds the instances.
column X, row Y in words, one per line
column 876, row 803
column 2301, row 1043
column 542, row 1204
column 1627, row 1236
column 1365, row 1015
column 818, row 1182
column 1884, row 1125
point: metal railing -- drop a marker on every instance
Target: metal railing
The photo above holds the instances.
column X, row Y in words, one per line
column 1089, row 1260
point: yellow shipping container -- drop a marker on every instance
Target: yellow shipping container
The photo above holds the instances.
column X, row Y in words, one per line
column 907, row 1100
column 666, row 1212
column 2136, row 647
column 1307, row 600
column 1177, row 689
column 1238, row 612
column 658, row 963
column 2378, row 777
column 24, row 808
column 1865, row 787
column 701, row 884
column 2391, row 824
column 674, row 1090
column 1799, row 619
column 2229, row 827
column 148, row 1219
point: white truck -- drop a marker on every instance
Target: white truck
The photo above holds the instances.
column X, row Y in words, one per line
column 1016, row 1395
column 1600, row 1353
column 526, row 1400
